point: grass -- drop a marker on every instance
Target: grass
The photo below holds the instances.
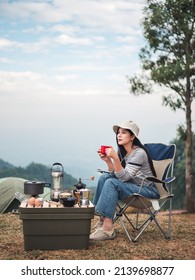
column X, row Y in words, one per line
column 151, row 246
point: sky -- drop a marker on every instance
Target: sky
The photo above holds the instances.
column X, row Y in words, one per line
column 63, row 82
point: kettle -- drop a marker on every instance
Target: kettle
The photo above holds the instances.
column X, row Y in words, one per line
column 81, row 192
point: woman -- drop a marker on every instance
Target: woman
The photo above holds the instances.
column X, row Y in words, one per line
column 127, row 169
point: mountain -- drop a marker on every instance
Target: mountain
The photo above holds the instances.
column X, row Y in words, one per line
column 33, row 172
column 4, row 164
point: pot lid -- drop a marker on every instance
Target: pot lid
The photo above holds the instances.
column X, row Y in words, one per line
column 34, row 182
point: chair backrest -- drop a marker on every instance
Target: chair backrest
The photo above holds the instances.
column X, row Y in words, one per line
column 163, row 160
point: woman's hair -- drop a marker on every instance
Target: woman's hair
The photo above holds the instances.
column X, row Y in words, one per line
column 122, row 152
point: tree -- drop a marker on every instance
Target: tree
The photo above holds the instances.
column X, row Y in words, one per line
column 168, row 60
column 179, row 172
column 34, row 172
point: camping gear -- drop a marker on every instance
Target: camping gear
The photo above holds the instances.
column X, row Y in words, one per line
column 81, row 192
column 60, row 223
column 11, row 193
column 84, row 202
column 103, row 149
column 68, row 201
column 163, row 161
column 57, row 174
column 65, row 194
column 80, row 185
column 55, row 228
column 34, row 188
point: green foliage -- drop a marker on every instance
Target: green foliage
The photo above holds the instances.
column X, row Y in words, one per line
column 5, row 164
column 34, row 172
column 168, row 58
column 179, row 172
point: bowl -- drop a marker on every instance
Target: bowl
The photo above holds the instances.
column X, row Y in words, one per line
column 68, row 201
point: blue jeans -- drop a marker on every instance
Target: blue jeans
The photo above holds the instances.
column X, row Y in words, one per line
column 110, row 190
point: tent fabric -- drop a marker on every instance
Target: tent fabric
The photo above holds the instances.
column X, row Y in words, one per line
column 12, row 193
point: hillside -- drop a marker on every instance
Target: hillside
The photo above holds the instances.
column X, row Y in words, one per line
column 34, row 172
column 4, row 164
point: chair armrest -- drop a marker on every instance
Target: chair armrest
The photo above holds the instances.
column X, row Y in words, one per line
column 153, row 179
column 169, row 180
column 156, row 180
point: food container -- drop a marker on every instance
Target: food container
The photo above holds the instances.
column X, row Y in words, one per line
column 48, row 228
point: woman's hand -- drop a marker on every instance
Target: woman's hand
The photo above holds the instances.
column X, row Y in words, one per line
column 103, row 156
column 107, row 158
column 110, row 152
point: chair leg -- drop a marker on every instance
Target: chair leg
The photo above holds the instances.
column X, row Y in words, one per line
column 125, row 229
column 169, row 221
column 135, row 225
column 131, row 223
column 143, row 228
column 137, row 214
column 167, row 233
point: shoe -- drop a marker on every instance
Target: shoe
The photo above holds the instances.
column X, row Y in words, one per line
column 99, row 224
column 100, row 234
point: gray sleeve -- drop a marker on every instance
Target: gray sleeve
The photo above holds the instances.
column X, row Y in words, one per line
column 133, row 165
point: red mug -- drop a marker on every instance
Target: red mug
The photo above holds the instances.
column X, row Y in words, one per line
column 103, row 149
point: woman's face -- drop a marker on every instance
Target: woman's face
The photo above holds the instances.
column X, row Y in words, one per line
column 124, row 137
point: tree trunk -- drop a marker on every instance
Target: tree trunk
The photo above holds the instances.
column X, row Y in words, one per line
column 190, row 205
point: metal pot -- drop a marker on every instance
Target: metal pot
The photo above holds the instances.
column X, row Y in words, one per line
column 68, row 201
column 84, row 202
column 34, row 188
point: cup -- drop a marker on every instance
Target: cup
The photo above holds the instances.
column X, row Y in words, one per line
column 103, row 149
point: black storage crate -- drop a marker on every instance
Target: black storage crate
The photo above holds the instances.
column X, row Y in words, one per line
column 56, row 228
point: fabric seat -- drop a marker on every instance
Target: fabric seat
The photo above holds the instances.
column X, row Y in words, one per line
column 163, row 161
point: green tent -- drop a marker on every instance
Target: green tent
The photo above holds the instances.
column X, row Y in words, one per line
column 12, row 193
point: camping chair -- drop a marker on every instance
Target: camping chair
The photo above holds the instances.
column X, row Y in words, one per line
column 163, row 161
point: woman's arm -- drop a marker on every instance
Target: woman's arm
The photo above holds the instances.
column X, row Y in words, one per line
column 107, row 160
column 116, row 164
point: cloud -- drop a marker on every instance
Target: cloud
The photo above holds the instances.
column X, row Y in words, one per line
column 31, row 85
column 23, row 83
column 66, row 39
column 69, row 47
column 5, row 60
column 103, row 16
column 62, row 78
column 85, row 23
column 4, row 43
